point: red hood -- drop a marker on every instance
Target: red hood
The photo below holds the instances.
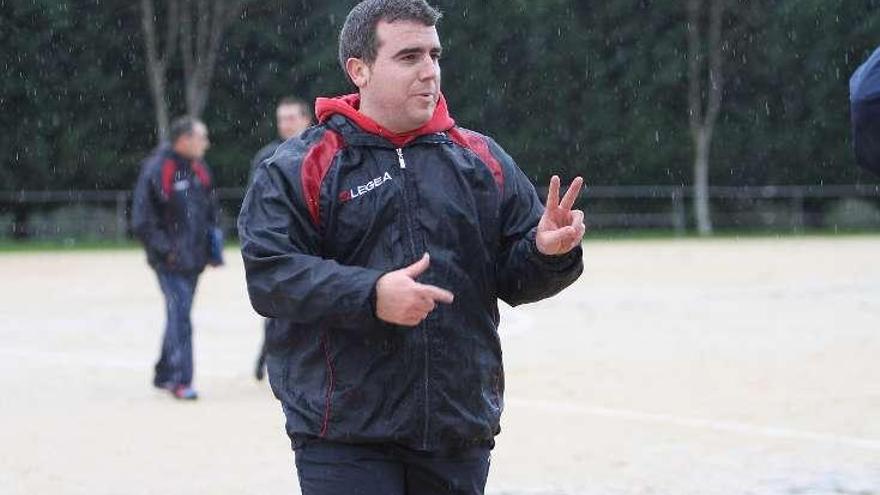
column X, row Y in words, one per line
column 348, row 106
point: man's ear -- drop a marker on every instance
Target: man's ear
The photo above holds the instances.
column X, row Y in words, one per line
column 358, row 71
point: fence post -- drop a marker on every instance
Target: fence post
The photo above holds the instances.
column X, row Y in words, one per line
column 797, row 206
column 679, row 216
column 121, row 223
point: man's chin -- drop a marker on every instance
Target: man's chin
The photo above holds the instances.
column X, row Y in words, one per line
column 426, row 114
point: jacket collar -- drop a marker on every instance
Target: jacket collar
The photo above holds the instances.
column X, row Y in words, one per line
column 348, row 106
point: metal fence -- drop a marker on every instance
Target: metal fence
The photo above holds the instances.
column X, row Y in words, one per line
column 84, row 215
column 792, row 207
column 104, row 215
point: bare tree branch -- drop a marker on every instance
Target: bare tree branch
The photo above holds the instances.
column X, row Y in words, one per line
column 716, row 78
column 172, row 29
column 186, row 44
column 201, row 49
column 196, row 28
column 157, row 65
column 203, row 21
column 695, row 58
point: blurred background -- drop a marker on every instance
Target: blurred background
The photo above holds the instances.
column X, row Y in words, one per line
column 740, row 123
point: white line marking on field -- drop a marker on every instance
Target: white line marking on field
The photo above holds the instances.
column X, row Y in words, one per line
column 696, row 423
column 134, row 363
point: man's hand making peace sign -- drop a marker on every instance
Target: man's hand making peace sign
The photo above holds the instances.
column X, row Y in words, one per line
column 560, row 228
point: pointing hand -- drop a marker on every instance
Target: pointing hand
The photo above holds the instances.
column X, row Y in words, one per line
column 403, row 301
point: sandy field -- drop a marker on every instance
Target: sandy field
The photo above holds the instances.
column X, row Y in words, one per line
column 678, row 367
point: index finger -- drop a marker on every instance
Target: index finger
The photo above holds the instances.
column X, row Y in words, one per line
column 553, row 193
column 437, row 294
column 572, row 194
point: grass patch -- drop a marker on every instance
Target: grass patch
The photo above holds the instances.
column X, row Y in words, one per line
column 10, row 246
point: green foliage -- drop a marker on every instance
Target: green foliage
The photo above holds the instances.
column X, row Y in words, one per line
column 595, row 88
column 74, row 96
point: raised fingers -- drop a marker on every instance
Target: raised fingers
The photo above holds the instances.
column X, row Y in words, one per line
column 572, row 194
column 553, row 193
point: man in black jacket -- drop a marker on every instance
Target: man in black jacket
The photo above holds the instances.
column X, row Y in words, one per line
column 382, row 240
column 174, row 214
column 292, row 117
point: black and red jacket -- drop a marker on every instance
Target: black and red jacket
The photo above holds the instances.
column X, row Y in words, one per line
column 345, row 203
column 174, row 211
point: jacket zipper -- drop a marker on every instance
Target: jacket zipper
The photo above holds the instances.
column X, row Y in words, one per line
column 412, row 242
column 400, row 159
column 402, row 162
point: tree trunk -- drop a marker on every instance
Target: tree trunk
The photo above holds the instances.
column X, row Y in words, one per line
column 200, row 47
column 157, row 60
column 703, row 115
column 160, row 102
column 702, row 210
column 19, row 227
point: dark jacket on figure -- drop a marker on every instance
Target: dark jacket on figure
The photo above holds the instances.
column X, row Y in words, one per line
column 174, row 211
column 264, row 153
column 332, row 212
column 864, row 86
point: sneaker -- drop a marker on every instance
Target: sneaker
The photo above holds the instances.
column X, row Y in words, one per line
column 184, row 392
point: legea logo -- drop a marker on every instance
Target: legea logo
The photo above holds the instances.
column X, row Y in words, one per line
column 349, row 195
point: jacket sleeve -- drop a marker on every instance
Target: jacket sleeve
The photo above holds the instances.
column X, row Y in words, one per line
column 146, row 214
column 865, row 120
column 213, row 203
column 263, row 154
column 524, row 274
column 286, row 275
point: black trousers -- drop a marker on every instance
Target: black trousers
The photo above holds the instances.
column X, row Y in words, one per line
column 330, row 468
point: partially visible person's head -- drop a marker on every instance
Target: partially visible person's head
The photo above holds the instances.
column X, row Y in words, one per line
column 189, row 137
column 390, row 50
column 293, row 116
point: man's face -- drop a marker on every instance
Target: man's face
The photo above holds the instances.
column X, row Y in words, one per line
column 292, row 120
column 402, row 87
column 200, row 142
column 194, row 144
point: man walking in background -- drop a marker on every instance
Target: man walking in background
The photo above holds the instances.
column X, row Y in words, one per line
column 383, row 239
column 292, row 117
column 174, row 214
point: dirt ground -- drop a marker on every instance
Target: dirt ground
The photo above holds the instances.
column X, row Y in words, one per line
column 745, row 366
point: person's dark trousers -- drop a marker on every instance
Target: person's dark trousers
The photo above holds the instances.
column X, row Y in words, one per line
column 330, row 468
column 175, row 365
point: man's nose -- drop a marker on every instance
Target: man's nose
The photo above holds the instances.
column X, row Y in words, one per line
column 430, row 69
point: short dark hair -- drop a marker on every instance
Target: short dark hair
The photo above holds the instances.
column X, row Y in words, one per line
column 358, row 36
column 182, row 126
column 293, row 100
